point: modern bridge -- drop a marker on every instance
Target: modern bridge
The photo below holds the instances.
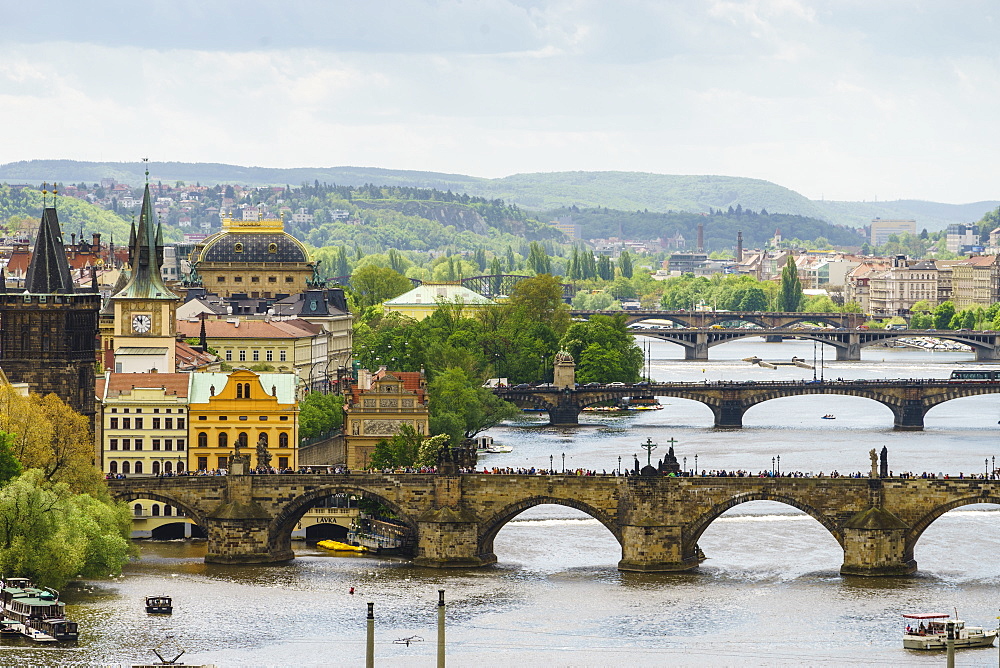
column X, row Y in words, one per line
column 847, row 342
column 909, row 400
column 453, row 519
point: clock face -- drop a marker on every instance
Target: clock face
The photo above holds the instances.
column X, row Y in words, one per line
column 141, row 323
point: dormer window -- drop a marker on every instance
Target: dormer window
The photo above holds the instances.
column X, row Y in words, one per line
column 238, row 247
column 272, row 248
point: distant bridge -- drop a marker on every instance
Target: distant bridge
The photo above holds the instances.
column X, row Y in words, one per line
column 909, row 400
column 452, row 520
column 847, row 342
column 704, row 319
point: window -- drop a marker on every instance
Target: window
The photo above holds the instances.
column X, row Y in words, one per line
column 223, row 417
column 239, row 390
column 126, row 467
column 223, row 439
column 138, row 445
column 243, row 356
column 202, row 463
column 137, row 509
column 180, row 469
column 282, row 462
column 202, row 417
column 180, row 423
column 113, row 467
column 156, row 424
column 272, row 279
column 237, row 279
column 243, row 417
column 114, row 410
column 167, row 510
column 156, row 444
column 138, row 423
column 156, row 510
column 126, row 423
column 283, row 440
column 238, row 247
column 229, row 355
column 180, row 443
column 281, row 356
column 263, row 418
column 157, row 410
column 272, row 248
column 243, row 439
column 223, row 461
column 255, row 279
column 113, row 444
column 179, row 410
column 168, row 423
column 138, row 467
column 289, row 279
column 269, row 355
column 126, row 444
column 221, row 279
column 202, row 439
column 114, row 423
column 156, row 468
column 283, row 417
column 256, row 356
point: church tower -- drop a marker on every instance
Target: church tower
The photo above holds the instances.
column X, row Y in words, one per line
column 145, row 311
column 48, row 332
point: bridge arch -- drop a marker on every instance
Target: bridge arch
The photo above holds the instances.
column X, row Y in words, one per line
column 129, row 495
column 694, row 530
column 929, row 518
column 281, row 527
column 490, row 527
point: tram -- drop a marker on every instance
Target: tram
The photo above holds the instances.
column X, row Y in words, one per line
column 974, row 374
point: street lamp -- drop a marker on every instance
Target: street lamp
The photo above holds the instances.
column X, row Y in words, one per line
column 779, row 465
column 619, row 464
column 696, row 464
column 987, row 465
column 564, row 462
column 685, row 465
column 772, row 465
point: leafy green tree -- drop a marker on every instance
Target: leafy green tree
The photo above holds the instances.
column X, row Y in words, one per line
column 320, row 414
column 605, row 270
column 374, row 285
column 10, row 467
column 790, row 296
column 943, row 314
column 625, row 264
column 538, row 260
column 604, row 350
column 750, row 298
column 461, row 407
column 407, row 448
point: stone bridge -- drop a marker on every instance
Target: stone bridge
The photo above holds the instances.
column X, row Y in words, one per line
column 453, row 519
column 702, row 319
column 847, row 342
column 909, row 400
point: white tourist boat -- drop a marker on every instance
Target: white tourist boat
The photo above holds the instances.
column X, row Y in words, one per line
column 928, row 630
column 485, row 444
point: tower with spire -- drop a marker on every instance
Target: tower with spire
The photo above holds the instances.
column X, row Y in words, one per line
column 145, row 310
column 48, row 332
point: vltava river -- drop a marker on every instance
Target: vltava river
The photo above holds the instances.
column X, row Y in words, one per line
column 769, row 594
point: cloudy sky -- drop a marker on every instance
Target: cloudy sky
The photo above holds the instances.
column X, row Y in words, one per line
column 842, row 99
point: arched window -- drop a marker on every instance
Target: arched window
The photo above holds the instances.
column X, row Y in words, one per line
column 113, row 466
column 137, row 509
column 243, row 439
column 283, row 439
column 138, row 467
column 156, row 468
column 239, row 390
column 238, row 247
column 202, row 439
column 156, row 510
column 126, row 468
column 167, row 511
column 223, row 439
column 168, row 467
column 180, row 467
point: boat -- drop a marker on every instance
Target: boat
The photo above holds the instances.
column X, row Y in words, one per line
column 159, row 605
column 928, row 630
column 485, row 445
column 644, row 404
column 337, row 546
column 35, row 613
column 828, row 417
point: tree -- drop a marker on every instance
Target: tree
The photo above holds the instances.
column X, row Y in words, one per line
column 407, row 448
column 539, row 299
column 320, row 414
column 943, row 314
column 374, row 285
column 461, row 407
column 625, row 264
column 10, row 467
column 604, row 350
column 538, row 260
column 790, row 296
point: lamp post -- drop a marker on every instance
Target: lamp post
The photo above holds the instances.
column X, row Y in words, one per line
column 564, row 462
column 696, row 464
column 779, row 465
column 772, row 466
column 987, row 466
column 685, row 465
column 550, row 464
column 619, row 464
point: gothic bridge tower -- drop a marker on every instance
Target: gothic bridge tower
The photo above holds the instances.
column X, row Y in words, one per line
column 48, row 332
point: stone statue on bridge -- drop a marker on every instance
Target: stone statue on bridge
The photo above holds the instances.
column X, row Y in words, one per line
column 874, row 458
column 263, row 455
column 884, row 463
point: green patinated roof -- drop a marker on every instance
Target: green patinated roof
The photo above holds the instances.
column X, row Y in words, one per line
column 430, row 294
column 201, row 386
column 145, row 281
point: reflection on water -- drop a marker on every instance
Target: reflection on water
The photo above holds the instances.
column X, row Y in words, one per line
column 769, row 593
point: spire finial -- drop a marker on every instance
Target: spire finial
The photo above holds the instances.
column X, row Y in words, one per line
column 146, row 162
column 45, row 194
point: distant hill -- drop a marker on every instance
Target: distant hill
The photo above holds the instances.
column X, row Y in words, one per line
column 627, row 191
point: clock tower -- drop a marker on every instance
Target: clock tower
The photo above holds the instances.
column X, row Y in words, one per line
column 145, row 329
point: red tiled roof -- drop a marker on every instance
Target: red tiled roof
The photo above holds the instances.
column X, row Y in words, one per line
column 189, row 359
column 174, row 383
column 249, row 329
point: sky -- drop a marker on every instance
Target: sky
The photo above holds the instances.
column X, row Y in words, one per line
column 839, row 99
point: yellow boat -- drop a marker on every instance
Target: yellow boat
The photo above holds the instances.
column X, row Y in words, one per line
column 341, row 547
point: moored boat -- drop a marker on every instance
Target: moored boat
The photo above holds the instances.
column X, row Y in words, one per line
column 828, row 417
column 485, row 445
column 35, row 613
column 337, row 546
column 644, row 404
column 929, row 630
column 159, row 605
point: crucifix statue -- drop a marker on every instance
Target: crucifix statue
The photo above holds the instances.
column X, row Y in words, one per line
column 649, row 446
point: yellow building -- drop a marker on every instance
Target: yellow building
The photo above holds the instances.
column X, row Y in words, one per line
column 246, row 410
column 378, row 405
column 142, row 423
column 421, row 301
column 256, row 258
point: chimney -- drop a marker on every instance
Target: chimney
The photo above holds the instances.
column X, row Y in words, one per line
column 701, row 238
column 739, row 246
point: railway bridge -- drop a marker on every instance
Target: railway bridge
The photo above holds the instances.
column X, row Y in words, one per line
column 452, row 520
column 909, row 400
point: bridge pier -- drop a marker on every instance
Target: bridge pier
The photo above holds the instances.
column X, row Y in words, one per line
column 909, row 416
column 875, row 545
column 729, row 414
column 699, row 351
column 238, row 530
column 655, row 549
column 851, row 353
column 990, row 354
column 449, row 538
column 564, row 415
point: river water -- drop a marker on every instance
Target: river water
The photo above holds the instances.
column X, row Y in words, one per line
column 769, row 593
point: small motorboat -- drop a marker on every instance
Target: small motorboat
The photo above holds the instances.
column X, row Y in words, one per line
column 337, row 546
column 929, row 630
column 485, row 444
column 829, row 417
column 159, row 605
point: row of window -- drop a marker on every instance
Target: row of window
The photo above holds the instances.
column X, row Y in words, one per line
column 255, row 279
column 244, row 418
column 126, row 423
column 223, row 463
column 255, row 355
column 137, row 444
column 154, row 511
column 128, row 467
column 242, row 439
column 139, row 410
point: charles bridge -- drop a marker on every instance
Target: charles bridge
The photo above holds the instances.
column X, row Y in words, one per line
column 909, row 400
column 453, row 519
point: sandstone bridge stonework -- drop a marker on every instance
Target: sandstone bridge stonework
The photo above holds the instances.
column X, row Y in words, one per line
column 453, row 520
